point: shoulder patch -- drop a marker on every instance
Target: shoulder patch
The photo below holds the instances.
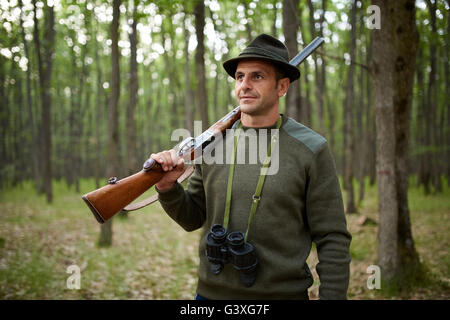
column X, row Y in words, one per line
column 311, row 139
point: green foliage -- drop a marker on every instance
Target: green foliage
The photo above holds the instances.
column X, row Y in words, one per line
column 81, row 73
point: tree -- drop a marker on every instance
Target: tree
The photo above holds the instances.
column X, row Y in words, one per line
column 131, row 157
column 45, row 59
column 201, row 98
column 349, row 149
column 113, row 164
column 290, row 28
column 31, row 120
column 188, row 96
column 319, row 89
column 394, row 53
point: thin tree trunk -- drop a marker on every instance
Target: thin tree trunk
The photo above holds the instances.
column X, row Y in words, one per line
column 73, row 116
column 275, row 16
column 34, row 143
column 406, row 43
column 447, row 89
column 201, row 97
column 322, row 76
column 318, row 83
column 45, row 58
column 248, row 26
column 348, row 120
column 175, row 87
column 290, row 27
column 420, row 132
column 113, row 164
column 370, row 123
column 432, row 100
column 98, row 115
column 131, row 158
column 361, row 133
column 305, row 112
column 188, row 97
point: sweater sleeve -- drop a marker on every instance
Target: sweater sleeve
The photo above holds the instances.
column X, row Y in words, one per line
column 186, row 207
column 326, row 219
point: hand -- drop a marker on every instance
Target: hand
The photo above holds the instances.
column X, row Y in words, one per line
column 172, row 164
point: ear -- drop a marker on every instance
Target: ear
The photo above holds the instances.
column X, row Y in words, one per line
column 283, row 86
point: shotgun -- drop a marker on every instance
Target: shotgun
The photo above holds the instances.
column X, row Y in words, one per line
column 117, row 195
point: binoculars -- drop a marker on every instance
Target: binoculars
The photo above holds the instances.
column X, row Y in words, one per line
column 222, row 249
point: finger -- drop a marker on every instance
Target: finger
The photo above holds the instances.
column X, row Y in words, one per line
column 174, row 157
column 180, row 164
column 170, row 159
column 157, row 156
column 163, row 158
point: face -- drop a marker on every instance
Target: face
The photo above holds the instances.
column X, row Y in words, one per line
column 256, row 88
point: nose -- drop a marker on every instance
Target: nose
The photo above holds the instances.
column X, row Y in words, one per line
column 245, row 83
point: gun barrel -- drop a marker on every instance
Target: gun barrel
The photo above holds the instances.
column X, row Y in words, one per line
column 299, row 58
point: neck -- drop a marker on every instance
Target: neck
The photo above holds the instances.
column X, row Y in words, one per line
column 259, row 121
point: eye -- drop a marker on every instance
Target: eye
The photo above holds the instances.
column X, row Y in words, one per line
column 259, row 76
column 239, row 76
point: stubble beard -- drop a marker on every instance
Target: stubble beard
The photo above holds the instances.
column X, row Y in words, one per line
column 257, row 108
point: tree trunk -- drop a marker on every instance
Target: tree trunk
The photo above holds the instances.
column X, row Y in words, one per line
column 45, row 59
column 34, row 143
column 98, row 115
column 131, row 157
column 322, row 79
column 370, row 120
column 200, row 95
column 383, row 81
column 405, row 45
column 275, row 16
column 432, row 101
column 113, row 164
column 348, row 120
column 362, row 128
column 447, row 89
column 305, row 103
column 169, row 59
column 318, row 83
column 188, row 97
column 394, row 51
column 69, row 174
column 290, row 27
column 248, row 25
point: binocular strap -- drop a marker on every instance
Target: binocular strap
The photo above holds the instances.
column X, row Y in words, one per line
column 265, row 166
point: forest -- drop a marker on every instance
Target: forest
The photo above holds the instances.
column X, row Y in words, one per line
column 89, row 89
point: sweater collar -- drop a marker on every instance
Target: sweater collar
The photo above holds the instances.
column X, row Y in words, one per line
column 283, row 117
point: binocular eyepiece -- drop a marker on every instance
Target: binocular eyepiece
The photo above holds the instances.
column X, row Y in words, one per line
column 222, row 249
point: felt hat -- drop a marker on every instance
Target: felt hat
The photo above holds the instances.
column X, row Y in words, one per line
column 265, row 47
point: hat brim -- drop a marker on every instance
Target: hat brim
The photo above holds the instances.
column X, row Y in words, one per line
column 289, row 70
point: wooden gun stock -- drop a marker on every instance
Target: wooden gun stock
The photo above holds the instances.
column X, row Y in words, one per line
column 110, row 199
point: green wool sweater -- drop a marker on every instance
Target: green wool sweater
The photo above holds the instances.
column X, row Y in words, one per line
column 300, row 204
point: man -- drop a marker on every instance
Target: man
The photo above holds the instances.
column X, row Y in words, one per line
column 298, row 204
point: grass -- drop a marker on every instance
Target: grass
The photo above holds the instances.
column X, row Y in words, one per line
column 153, row 258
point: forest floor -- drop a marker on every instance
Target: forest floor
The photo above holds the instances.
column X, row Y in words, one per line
column 153, row 258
